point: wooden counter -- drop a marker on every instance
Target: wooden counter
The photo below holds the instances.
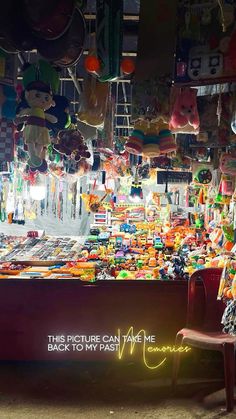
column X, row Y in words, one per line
column 30, row 310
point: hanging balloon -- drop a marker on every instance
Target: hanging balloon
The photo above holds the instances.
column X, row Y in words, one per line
column 92, row 64
column 127, row 66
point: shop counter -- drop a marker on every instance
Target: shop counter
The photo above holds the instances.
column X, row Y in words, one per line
column 32, row 310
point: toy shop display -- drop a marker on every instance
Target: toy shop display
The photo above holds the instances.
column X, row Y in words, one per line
column 154, row 202
column 44, row 248
column 205, row 38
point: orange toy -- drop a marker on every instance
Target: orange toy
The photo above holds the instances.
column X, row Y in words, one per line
column 93, row 202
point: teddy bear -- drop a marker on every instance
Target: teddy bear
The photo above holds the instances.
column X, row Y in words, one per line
column 71, row 144
column 185, row 109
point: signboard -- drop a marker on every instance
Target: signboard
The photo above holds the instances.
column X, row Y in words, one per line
column 174, row 177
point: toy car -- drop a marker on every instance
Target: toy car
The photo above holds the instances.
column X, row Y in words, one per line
column 158, row 244
column 94, row 231
column 92, row 238
column 103, row 237
column 169, row 243
column 149, row 241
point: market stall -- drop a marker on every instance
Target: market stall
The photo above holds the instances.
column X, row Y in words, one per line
column 113, row 194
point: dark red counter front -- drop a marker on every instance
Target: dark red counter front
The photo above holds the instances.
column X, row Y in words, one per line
column 30, row 310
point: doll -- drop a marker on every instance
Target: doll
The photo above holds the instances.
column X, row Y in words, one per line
column 39, row 98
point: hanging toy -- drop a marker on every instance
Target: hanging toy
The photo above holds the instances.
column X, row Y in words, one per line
column 185, row 109
column 93, row 203
column 151, row 142
column 203, row 176
column 36, row 134
column 61, row 112
column 71, row 144
column 136, row 191
column 134, row 144
column 167, row 142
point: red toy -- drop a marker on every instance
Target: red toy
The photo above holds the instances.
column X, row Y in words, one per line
column 71, row 144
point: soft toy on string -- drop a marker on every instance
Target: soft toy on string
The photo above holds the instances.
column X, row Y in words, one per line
column 61, row 112
column 185, row 110
column 39, row 98
column 71, row 144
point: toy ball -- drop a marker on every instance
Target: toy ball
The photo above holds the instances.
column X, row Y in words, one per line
column 92, row 64
column 127, row 66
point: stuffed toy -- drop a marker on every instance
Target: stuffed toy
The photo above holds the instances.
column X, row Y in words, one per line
column 61, row 112
column 38, row 97
column 71, row 145
column 167, row 142
column 143, row 139
column 151, row 141
column 185, row 109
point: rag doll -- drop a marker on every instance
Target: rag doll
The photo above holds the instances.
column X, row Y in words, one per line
column 39, row 99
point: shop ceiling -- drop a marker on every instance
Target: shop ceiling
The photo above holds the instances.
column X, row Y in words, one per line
column 122, row 88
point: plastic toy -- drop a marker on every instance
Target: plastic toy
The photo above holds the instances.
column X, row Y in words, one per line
column 158, row 244
column 204, row 63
